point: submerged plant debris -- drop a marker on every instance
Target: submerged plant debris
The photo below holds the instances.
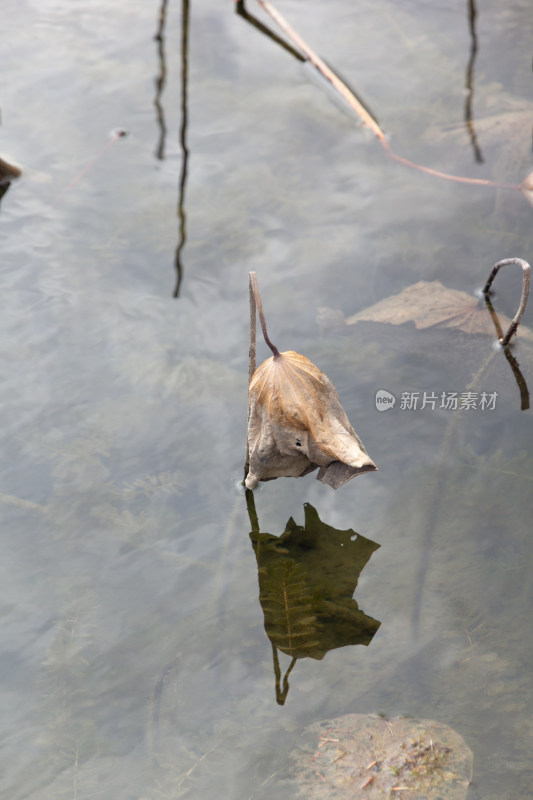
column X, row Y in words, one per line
column 430, row 304
column 367, row 757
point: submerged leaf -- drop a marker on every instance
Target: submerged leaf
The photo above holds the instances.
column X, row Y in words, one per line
column 430, row 304
column 296, row 423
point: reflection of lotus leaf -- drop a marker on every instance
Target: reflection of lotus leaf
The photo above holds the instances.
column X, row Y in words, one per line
column 307, row 577
column 368, row 757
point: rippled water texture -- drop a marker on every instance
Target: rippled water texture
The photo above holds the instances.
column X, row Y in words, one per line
column 152, row 648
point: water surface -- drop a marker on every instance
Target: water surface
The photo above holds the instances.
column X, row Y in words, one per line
column 135, row 661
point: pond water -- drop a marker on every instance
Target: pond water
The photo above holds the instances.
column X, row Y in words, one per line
column 134, row 659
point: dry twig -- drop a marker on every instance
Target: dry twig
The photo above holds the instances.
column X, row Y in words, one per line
column 504, row 341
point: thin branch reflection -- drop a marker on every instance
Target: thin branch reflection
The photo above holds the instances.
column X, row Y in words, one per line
column 178, row 265
column 242, row 12
column 469, row 82
column 161, row 80
column 513, row 363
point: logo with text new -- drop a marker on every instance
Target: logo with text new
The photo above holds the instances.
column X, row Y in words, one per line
column 384, row 400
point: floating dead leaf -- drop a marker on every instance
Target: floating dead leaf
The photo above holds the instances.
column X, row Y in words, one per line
column 366, row 756
column 296, row 423
column 430, row 304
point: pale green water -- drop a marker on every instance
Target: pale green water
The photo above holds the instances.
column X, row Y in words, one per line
column 134, row 661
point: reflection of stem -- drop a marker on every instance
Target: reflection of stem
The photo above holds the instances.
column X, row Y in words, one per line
column 161, row 80
column 281, row 696
column 183, row 143
column 520, row 380
column 469, row 83
column 252, row 513
column 156, row 707
column 526, row 269
column 242, row 12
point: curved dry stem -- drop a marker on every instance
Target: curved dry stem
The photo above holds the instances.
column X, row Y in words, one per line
column 526, row 270
column 281, row 694
column 257, row 298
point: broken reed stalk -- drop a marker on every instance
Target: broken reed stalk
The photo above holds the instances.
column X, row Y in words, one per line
column 363, row 114
column 526, row 270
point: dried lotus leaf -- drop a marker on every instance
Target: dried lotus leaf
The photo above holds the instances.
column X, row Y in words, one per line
column 296, row 423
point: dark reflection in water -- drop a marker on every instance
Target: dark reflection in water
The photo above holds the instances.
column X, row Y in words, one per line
column 469, row 83
column 242, row 12
column 183, row 144
column 160, row 83
column 161, row 80
column 307, row 577
column 513, row 363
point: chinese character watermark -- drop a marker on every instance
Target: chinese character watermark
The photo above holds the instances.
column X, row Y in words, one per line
column 447, row 401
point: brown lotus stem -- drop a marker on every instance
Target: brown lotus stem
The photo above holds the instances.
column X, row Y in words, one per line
column 257, row 297
column 526, row 269
column 322, row 67
column 251, row 361
column 252, row 345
